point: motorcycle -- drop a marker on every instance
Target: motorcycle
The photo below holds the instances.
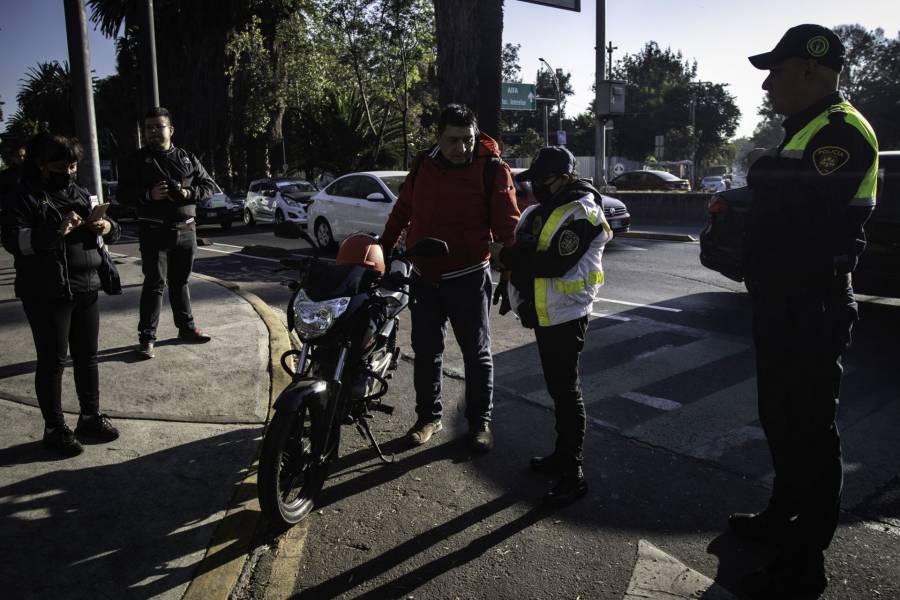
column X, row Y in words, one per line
column 346, row 317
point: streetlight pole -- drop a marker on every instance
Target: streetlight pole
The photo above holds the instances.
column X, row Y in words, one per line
column 600, row 125
column 558, row 94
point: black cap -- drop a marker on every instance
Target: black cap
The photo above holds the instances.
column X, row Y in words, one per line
column 805, row 41
column 552, row 160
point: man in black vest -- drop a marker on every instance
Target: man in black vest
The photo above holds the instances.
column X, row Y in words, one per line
column 165, row 183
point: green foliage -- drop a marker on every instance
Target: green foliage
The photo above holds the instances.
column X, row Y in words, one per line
column 511, row 71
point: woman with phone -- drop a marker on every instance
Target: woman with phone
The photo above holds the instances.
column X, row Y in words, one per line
column 56, row 237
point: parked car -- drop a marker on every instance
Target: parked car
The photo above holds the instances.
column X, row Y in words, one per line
column 614, row 209
column 713, row 183
column 354, row 202
column 878, row 273
column 650, row 180
column 219, row 209
column 277, row 200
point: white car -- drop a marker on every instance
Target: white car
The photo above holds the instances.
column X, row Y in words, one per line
column 713, row 183
column 354, row 202
column 274, row 200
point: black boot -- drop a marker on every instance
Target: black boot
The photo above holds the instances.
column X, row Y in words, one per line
column 798, row 576
column 766, row 526
column 552, row 463
column 569, row 488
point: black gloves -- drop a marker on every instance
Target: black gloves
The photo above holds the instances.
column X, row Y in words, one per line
column 501, row 295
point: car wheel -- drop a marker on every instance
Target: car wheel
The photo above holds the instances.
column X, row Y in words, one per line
column 248, row 217
column 279, row 217
column 226, row 224
column 324, row 237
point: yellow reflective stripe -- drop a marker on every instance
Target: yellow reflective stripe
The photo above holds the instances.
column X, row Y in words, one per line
column 573, row 286
column 798, row 154
column 568, row 287
column 541, row 292
column 552, row 225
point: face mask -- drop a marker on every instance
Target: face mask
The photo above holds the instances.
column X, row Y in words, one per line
column 59, row 181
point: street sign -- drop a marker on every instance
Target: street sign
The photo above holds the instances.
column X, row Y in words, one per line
column 516, row 96
column 564, row 4
column 561, row 138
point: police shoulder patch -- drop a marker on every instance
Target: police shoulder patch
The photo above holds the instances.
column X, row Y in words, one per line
column 829, row 159
column 568, row 242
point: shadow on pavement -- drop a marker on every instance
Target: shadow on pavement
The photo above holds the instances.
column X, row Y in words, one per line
column 108, row 531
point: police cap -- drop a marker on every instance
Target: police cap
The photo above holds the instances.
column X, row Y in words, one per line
column 805, row 41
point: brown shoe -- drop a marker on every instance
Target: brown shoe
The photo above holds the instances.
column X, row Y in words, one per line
column 422, row 431
column 482, row 438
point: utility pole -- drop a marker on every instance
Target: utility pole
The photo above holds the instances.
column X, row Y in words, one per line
column 148, row 57
column 600, row 76
column 546, row 101
column 83, row 95
column 609, row 50
column 558, row 93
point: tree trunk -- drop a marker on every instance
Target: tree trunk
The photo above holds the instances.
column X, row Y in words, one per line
column 469, row 40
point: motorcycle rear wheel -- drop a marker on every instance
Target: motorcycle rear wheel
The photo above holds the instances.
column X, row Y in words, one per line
column 289, row 476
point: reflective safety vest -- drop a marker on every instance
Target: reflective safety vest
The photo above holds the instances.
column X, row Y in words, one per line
column 796, row 146
column 569, row 297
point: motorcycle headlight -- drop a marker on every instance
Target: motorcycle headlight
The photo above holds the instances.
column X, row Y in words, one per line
column 313, row 319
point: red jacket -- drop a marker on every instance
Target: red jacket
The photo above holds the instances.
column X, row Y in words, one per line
column 448, row 202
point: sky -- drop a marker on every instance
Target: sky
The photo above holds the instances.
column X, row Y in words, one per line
column 718, row 34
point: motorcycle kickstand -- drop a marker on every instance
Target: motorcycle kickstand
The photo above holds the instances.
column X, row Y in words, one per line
column 362, row 425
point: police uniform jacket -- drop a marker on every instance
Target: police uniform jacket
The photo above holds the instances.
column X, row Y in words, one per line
column 147, row 167
column 556, row 262
column 811, row 197
column 48, row 265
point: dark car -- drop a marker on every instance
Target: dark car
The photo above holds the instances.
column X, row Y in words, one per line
column 614, row 210
column 650, row 181
column 878, row 272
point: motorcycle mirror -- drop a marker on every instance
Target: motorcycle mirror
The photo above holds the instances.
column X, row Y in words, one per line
column 428, row 247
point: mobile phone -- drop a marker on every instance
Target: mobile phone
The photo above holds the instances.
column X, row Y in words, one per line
column 98, row 212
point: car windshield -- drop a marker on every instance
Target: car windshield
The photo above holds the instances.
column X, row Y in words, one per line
column 393, row 182
column 295, row 187
column 665, row 175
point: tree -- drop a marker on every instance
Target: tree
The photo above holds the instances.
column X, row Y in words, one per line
column 509, row 60
column 662, row 97
column 469, row 37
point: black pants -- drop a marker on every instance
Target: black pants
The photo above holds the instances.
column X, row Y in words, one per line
column 167, row 257
column 800, row 336
column 465, row 302
column 59, row 327
column 560, row 349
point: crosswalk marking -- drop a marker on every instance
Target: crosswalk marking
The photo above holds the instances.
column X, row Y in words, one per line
column 652, row 401
column 526, row 357
column 701, row 421
column 602, row 383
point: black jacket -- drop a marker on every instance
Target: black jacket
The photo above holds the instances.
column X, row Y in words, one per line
column 803, row 230
column 147, row 167
column 49, row 266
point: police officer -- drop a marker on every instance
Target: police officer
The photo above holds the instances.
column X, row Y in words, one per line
column 165, row 183
column 811, row 197
column 556, row 276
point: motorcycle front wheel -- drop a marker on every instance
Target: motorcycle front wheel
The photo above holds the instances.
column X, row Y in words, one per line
column 289, row 476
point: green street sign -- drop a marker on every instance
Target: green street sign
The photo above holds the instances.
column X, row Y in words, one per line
column 516, row 96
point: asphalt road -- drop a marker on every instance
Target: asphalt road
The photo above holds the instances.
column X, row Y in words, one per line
column 674, row 445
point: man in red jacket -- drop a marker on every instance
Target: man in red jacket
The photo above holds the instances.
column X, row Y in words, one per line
column 461, row 192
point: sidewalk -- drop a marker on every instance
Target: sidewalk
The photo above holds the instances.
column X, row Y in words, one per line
column 146, row 515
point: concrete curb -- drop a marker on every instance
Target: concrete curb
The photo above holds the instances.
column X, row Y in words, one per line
column 657, row 235
column 223, row 562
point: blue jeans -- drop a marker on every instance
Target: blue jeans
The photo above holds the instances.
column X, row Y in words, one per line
column 465, row 302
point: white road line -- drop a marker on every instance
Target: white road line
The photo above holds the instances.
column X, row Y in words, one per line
column 650, row 306
column 610, row 317
column 646, row 400
column 229, row 245
column 274, row 260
